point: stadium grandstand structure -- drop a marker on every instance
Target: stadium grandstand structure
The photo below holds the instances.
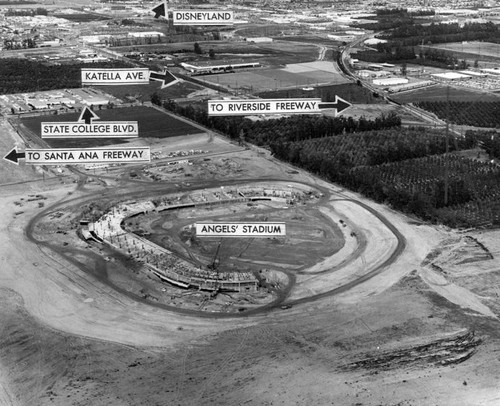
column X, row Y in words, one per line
column 163, row 262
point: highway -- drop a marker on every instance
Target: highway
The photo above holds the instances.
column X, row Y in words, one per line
column 417, row 112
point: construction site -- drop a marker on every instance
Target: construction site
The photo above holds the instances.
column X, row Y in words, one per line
column 109, row 296
column 103, row 269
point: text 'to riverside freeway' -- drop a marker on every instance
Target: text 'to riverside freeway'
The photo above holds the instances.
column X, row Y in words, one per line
column 273, row 106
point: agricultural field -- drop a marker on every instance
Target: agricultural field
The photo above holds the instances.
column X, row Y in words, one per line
column 477, row 114
column 364, row 148
column 478, row 50
column 268, row 80
column 373, row 111
column 441, row 93
column 347, row 91
column 262, row 30
column 474, row 187
column 143, row 93
column 82, row 17
column 152, row 124
column 237, row 48
column 310, row 39
column 410, row 176
column 277, row 53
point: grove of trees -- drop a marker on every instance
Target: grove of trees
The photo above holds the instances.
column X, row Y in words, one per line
column 407, row 168
column 477, row 114
column 404, row 36
column 404, row 167
column 22, row 75
column 267, row 132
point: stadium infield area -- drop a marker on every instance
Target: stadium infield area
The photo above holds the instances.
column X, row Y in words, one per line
column 375, row 308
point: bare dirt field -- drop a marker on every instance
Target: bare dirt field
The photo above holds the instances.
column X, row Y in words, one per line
column 403, row 313
column 309, row 237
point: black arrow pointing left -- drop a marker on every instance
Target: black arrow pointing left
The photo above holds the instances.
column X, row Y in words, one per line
column 14, row 156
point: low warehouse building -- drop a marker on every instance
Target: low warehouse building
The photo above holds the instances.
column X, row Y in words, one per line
column 450, row 76
column 390, row 81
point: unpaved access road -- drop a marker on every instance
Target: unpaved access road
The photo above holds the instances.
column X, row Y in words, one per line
column 66, row 297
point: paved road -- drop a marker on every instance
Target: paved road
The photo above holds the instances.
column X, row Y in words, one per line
column 139, row 191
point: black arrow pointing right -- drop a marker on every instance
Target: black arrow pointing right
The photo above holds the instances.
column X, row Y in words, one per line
column 160, row 10
column 165, row 77
column 339, row 104
column 14, row 156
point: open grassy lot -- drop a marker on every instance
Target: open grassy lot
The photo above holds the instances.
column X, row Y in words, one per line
column 311, row 39
column 130, row 93
column 439, row 93
column 347, row 91
column 262, row 30
column 294, row 75
column 152, row 124
column 273, row 53
column 259, row 80
column 480, row 49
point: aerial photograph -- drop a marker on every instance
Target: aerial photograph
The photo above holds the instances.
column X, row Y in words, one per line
column 249, row 203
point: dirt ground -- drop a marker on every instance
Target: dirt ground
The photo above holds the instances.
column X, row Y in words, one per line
column 411, row 318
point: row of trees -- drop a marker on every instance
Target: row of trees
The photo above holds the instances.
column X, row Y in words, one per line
column 333, row 157
column 404, row 36
column 488, row 140
column 26, row 12
column 197, row 50
column 390, row 18
column 10, row 44
column 478, row 114
column 414, row 34
column 266, row 132
column 391, row 12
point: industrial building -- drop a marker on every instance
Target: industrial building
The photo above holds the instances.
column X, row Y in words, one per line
column 208, row 69
column 259, row 40
column 390, row 81
column 451, row 76
column 364, row 73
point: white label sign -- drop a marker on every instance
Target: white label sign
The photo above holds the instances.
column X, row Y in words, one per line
column 202, row 17
column 129, row 76
column 104, row 129
column 240, row 229
column 59, row 156
column 263, row 106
